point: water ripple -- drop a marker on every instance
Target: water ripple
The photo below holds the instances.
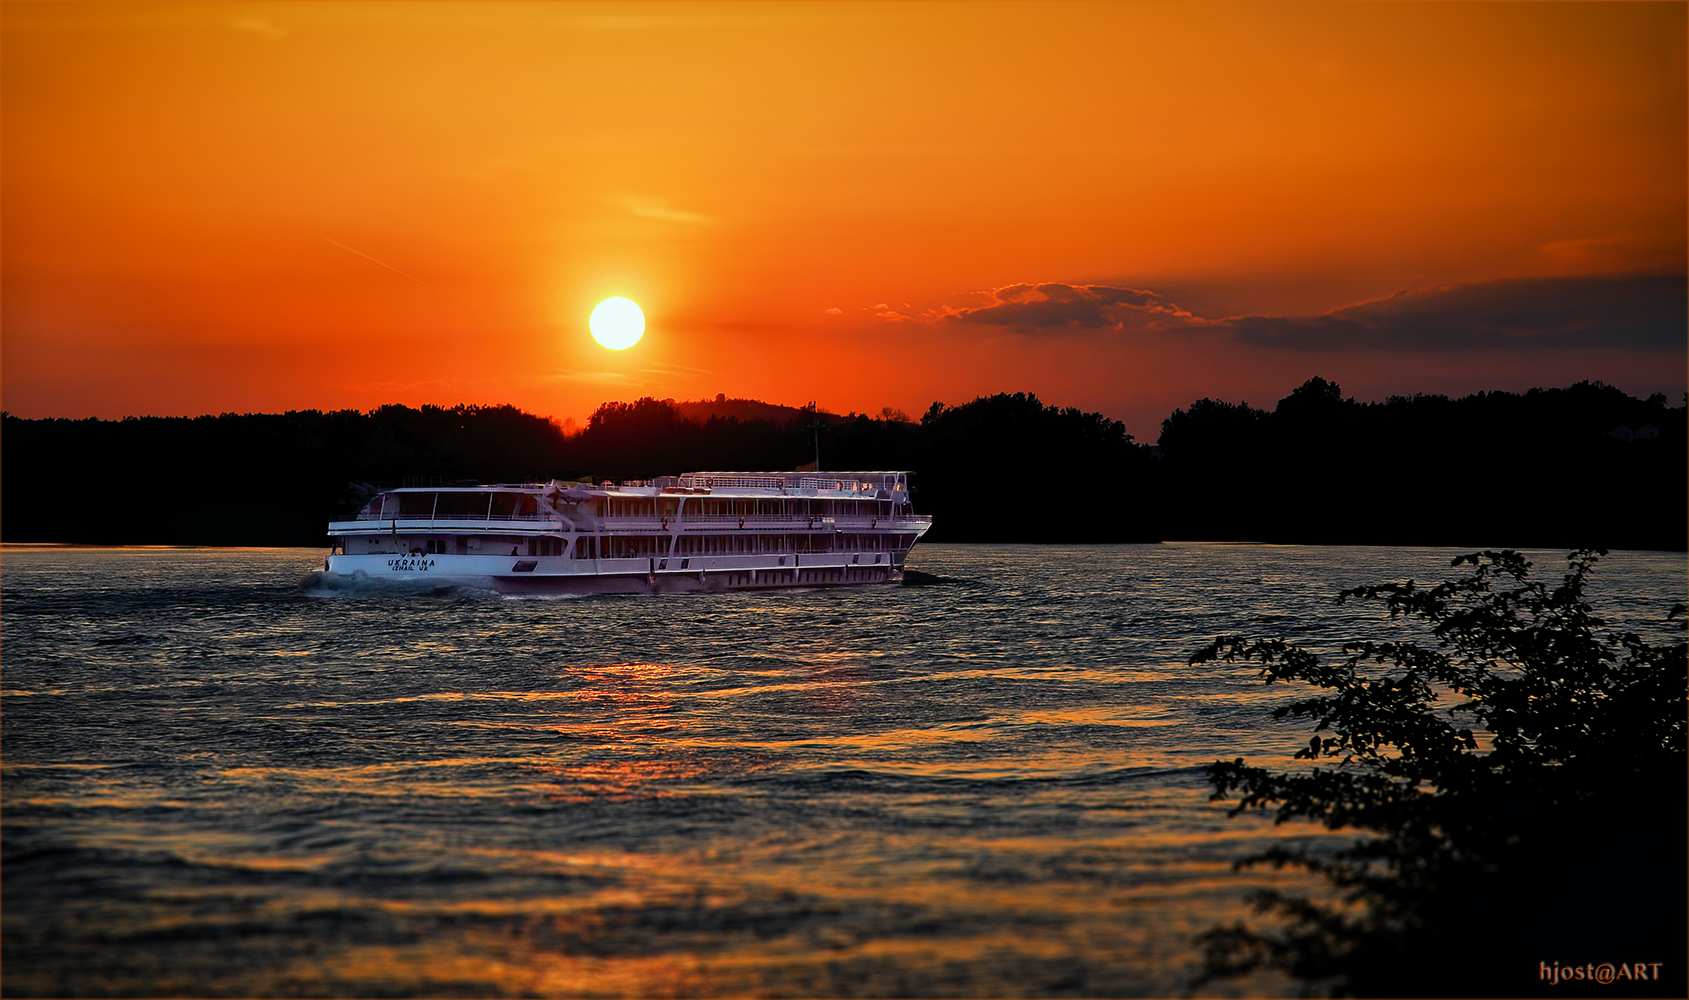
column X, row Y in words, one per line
column 990, row 783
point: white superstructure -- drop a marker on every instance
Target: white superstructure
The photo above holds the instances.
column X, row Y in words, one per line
column 702, row 530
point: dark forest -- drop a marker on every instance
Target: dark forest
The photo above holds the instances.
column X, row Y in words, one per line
column 1586, row 465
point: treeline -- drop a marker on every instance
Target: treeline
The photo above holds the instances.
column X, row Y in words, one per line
column 245, row 479
column 1543, row 468
column 1538, row 469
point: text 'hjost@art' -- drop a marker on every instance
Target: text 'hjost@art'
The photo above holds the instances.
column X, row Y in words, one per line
column 1606, row 972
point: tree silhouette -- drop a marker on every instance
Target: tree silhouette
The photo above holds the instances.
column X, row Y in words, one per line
column 982, row 466
column 1540, row 817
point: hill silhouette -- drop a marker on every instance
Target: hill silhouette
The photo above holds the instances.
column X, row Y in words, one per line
column 743, row 410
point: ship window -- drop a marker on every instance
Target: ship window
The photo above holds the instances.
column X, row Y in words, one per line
column 461, row 505
column 414, row 505
column 633, row 508
column 631, row 546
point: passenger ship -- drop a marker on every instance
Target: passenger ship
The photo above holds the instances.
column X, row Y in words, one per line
column 699, row 531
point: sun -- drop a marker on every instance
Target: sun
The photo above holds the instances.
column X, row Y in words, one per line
column 617, row 323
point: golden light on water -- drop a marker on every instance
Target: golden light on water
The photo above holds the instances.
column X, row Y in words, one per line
column 864, row 916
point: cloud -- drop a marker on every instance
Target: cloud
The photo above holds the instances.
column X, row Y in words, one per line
column 887, row 314
column 1637, row 312
column 436, row 388
column 661, row 212
column 260, row 27
column 1053, row 307
column 833, row 311
column 588, row 378
column 1589, row 311
column 676, row 370
column 1614, row 254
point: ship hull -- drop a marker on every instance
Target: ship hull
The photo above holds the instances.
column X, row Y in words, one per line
column 561, row 576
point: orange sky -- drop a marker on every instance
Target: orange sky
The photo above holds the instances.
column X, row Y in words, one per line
column 1122, row 207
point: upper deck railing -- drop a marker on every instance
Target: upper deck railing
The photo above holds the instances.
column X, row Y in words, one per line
column 471, row 504
column 366, row 515
column 786, row 482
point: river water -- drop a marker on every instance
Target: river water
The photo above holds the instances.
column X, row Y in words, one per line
column 219, row 781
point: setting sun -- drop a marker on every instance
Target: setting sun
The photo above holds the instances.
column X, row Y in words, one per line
column 617, row 323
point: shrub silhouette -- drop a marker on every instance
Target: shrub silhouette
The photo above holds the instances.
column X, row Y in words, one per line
column 1539, row 820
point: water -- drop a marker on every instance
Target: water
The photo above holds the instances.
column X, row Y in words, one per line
column 218, row 782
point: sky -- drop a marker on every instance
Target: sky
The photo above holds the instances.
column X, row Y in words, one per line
column 232, row 207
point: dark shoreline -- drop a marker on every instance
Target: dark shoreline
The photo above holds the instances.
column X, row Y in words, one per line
column 1582, row 466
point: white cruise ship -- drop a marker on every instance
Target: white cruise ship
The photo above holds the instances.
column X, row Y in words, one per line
column 699, row 531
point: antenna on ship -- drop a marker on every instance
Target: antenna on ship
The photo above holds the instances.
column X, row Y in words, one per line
column 815, row 430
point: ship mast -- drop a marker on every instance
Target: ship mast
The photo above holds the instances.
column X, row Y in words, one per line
column 815, row 430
